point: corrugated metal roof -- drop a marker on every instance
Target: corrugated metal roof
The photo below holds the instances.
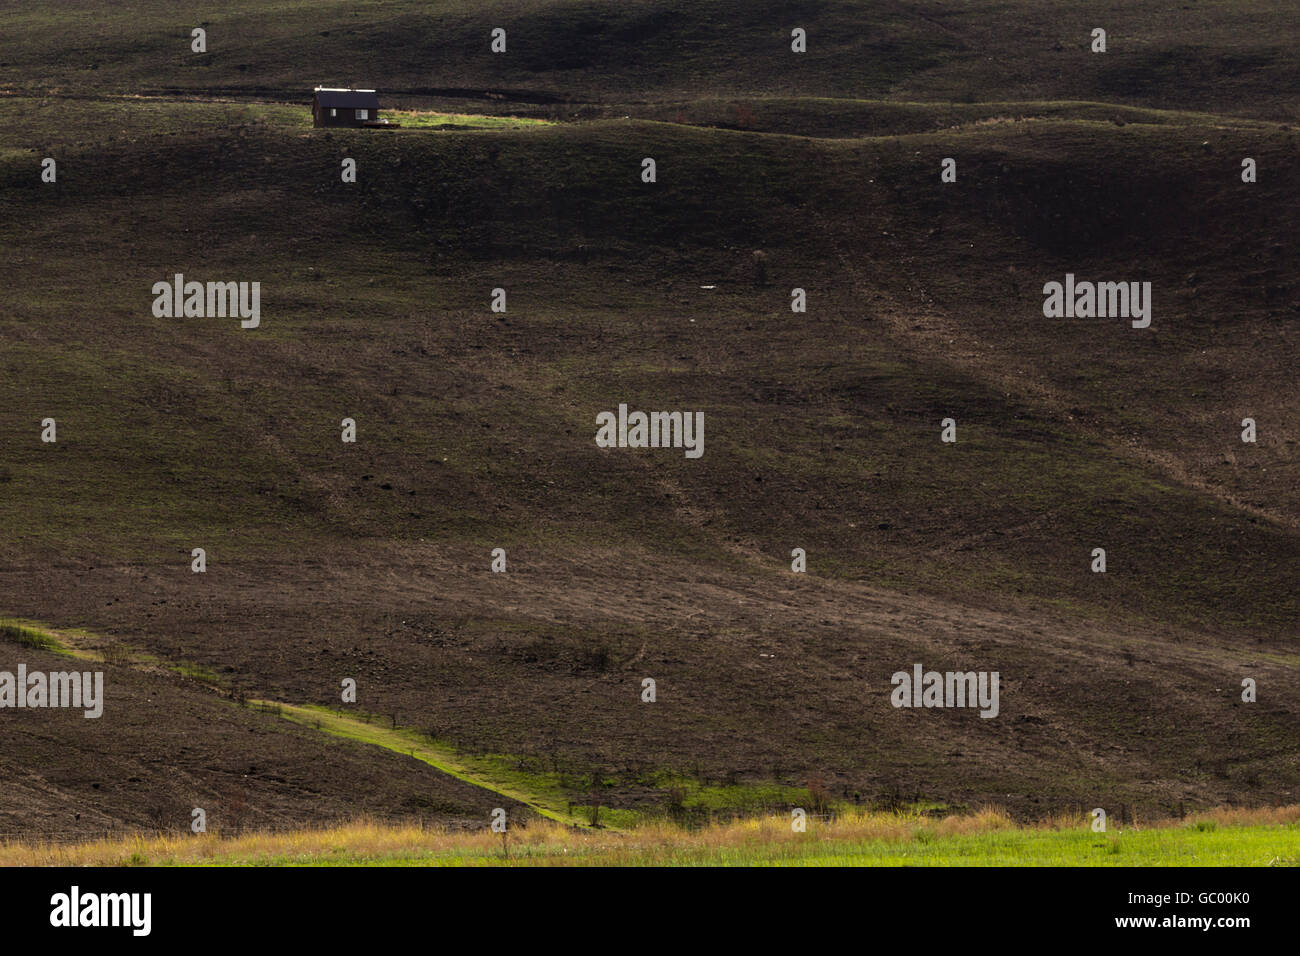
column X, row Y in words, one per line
column 348, row 99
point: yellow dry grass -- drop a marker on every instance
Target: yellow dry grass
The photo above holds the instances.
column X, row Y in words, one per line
column 370, row 841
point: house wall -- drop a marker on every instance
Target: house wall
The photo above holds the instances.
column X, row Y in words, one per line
column 347, row 117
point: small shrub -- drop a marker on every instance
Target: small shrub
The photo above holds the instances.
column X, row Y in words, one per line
column 819, row 797
column 596, row 658
column 677, row 800
column 744, row 115
column 116, row 653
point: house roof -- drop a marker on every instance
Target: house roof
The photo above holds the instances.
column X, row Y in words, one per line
column 347, row 99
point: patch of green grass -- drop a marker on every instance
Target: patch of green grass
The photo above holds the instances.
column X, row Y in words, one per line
column 554, row 795
column 1245, row 847
column 485, row 772
column 67, row 643
column 424, row 119
column 32, row 637
column 922, row 846
column 196, row 672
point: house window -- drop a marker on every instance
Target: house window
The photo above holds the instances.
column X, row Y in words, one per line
column 363, row 114
column 333, row 113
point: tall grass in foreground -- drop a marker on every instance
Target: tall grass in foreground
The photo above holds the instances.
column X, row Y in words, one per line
column 1219, row 837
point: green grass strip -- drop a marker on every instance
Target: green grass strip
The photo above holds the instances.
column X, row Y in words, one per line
column 413, row 744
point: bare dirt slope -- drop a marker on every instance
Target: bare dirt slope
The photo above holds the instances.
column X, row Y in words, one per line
column 476, row 429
